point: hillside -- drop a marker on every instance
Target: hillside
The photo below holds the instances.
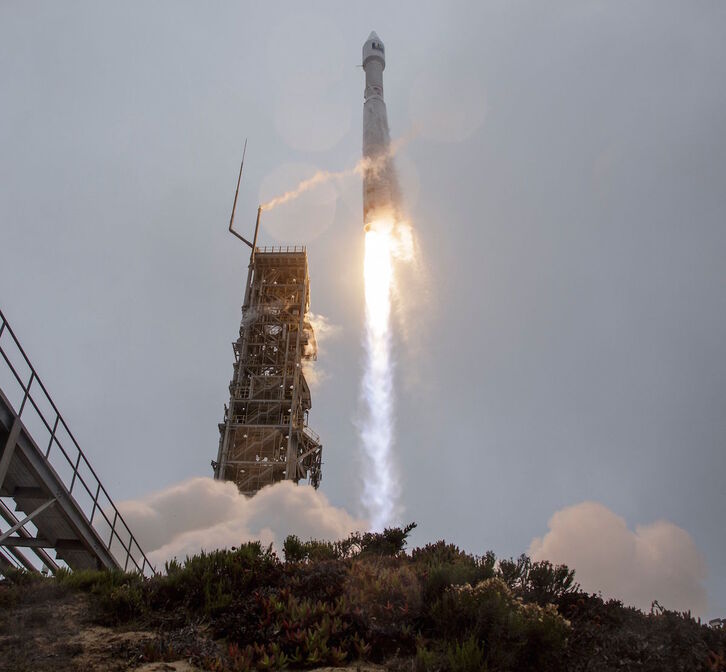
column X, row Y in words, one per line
column 361, row 602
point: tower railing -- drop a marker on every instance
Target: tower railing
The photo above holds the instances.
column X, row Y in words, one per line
column 70, row 462
column 281, row 249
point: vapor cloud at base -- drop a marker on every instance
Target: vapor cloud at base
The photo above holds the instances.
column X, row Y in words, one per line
column 658, row 561
column 202, row 513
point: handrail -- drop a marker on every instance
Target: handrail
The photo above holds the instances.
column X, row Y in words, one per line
column 282, row 248
column 142, row 565
column 310, row 433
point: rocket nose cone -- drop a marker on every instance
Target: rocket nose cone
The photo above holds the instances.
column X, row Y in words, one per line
column 373, row 49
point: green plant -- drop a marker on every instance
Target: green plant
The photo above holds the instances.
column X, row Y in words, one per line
column 466, row 656
column 441, row 565
column 515, row 635
column 547, row 582
column 20, row 577
column 540, row 582
column 390, row 542
column 309, row 551
column 209, row 582
column 122, row 603
column 426, row 660
column 98, row 581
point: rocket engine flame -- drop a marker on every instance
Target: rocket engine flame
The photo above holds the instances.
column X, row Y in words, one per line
column 386, row 242
column 379, row 490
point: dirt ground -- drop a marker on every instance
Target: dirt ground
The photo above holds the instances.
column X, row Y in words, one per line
column 52, row 630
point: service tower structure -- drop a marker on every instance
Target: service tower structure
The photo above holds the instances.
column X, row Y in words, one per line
column 380, row 186
column 265, row 437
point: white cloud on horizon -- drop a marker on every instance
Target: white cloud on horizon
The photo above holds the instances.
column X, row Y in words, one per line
column 658, row 561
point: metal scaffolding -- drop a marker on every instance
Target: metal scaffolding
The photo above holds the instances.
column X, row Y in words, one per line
column 265, row 437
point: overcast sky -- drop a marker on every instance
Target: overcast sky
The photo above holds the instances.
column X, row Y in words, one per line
column 568, row 188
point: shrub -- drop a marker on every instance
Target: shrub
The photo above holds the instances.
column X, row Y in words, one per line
column 390, row 542
column 548, row 583
column 441, row 553
column 206, row 583
column 467, row 656
column 515, row 635
column 441, row 565
column 15, row 585
column 20, row 577
column 309, row 551
column 318, row 580
column 386, row 597
column 605, row 631
column 97, row 581
column 426, row 660
column 540, row 582
column 119, row 595
column 122, row 603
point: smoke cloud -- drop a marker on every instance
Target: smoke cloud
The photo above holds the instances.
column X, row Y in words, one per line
column 659, row 561
column 202, row 513
column 323, row 330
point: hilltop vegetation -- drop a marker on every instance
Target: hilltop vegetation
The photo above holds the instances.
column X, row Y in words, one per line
column 365, row 599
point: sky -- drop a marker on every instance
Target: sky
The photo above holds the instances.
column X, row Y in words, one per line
column 564, row 338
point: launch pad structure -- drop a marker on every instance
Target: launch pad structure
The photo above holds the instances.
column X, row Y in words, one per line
column 265, row 437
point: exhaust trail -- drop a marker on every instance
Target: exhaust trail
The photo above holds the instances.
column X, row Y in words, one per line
column 380, row 486
column 365, row 166
column 387, row 242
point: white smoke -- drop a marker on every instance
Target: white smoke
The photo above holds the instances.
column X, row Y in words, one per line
column 387, row 241
column 365, row 165
column 659, row 561
column 323, row 330
column 201, row 513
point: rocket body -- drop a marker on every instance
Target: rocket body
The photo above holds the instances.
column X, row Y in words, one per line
column 380, row 188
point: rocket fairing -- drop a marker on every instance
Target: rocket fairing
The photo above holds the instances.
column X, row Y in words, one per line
column 380, row 187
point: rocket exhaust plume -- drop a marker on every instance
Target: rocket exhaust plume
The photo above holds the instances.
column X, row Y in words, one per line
column 388, row 239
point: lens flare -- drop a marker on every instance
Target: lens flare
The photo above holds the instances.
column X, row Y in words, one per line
column 386, row 242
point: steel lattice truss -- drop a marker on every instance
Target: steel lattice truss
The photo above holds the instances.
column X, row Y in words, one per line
column 264, row 437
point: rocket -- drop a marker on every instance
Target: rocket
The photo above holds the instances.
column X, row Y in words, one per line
column 380, row 186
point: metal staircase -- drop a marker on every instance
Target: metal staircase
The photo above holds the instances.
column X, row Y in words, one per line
column 63, row 514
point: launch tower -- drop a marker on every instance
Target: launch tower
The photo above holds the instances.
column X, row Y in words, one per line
column 265, row 436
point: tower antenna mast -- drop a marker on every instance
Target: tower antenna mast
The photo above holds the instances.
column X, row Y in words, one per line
column 253, row 244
